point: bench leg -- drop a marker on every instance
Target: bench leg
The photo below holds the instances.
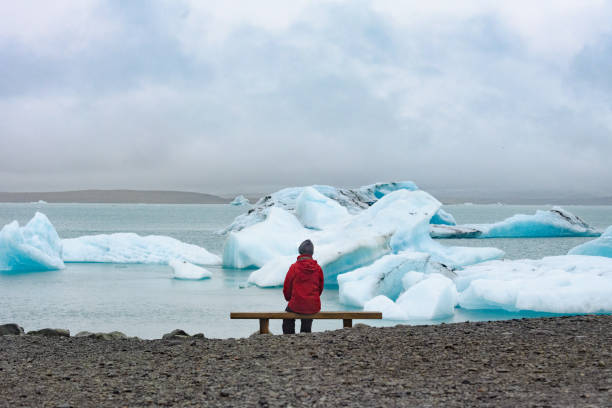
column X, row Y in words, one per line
column 264, row 326
column 347, row 323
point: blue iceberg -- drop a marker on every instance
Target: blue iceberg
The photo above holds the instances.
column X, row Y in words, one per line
column 601, row 246
column 33, row 247
column 556, row 222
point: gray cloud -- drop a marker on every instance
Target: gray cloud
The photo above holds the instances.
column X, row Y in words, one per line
column 342, row 94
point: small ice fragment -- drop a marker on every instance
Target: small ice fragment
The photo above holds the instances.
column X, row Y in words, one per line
column 188, row 271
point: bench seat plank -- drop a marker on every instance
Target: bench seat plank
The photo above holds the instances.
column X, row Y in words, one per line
column 320, row 315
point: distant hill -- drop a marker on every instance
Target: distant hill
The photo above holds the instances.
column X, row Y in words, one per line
column 114, row 196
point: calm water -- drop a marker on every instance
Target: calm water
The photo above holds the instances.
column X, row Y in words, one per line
column 143, row 300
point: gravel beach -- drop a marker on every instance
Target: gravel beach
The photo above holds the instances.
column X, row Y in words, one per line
column 561, row 361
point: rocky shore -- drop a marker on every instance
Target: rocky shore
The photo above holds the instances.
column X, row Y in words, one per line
column 561, row 361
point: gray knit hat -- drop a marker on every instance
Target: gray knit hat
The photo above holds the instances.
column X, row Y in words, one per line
column 306, row 248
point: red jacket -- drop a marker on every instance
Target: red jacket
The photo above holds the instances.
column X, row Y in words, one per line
column 304, row 285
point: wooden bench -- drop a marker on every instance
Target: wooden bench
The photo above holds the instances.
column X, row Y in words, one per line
column 264, row 317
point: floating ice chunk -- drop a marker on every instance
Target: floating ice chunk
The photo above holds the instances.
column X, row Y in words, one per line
column 397, row 222
column 343, row 247
column 188, row 271
column 354, row 200
column 387, row 307
column 240, row 200
column 432, row 298
column 35, row 246
column 556, row 222
column 443, row 218
column 552, row 223
column 279, row 235
column 383, row 277
column 317, row 211
column 601, row 246
column 559, row 284
column 133, row 248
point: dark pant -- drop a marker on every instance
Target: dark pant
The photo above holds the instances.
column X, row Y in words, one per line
column 289, row 324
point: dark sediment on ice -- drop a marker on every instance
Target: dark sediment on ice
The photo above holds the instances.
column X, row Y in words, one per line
column 562, row 361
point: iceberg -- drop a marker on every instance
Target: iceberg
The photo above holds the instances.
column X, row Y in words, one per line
column 601, row 246
column 127, row 247
column 558, row 284
column 188, row 271
column 354, row 200
column 432, row 298
column 33, row 247
column 395, row 223
column 240, row 200
column 358, row 241
column 384, row 277
column 556, row 222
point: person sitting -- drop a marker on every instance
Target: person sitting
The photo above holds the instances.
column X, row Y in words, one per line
column 302, row 288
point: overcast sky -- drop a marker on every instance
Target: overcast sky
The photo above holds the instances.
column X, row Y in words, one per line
column 256, row 95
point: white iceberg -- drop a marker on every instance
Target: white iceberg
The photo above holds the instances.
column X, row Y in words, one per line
column 558, row 284
column 240, row 200
column 188, row 271
column 317, row 211
column 33, row 247
column 556, row 222
column 383, row 277
column 127, row 247
column 395, row 223
column 354, row 200
column 432, row 298
column 601, row 246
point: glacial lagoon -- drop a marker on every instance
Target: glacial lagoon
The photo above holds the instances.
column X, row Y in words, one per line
column 144, row 300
